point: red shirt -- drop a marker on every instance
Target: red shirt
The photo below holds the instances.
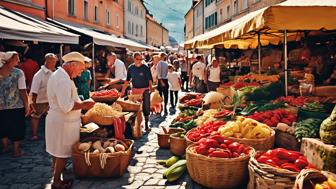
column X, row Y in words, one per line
column 29, row 68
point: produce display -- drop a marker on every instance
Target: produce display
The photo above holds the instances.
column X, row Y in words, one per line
column 214, row 99
column 293, row 101
column 187, row 115
column 192, row 99
column 220, row 147
column 266, row 92
column 308, row 128
column 273, row 117
column 328, row 129
column 113, row 93
column 245, row 128
column 186, row 126
column 103, row 110
column 103, row 149
column 328, row 184
column 207, row 116
column 252, row 108
column 240, row 85
column 204, row 130
column 284, row 159
column 314, row 107
column 175, row 171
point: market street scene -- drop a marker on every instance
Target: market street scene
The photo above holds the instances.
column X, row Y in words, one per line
column 148, row 94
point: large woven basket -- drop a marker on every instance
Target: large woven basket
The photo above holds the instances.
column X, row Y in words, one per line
column 163, row 139
column 307, row 178
column 178, row 145
column 216, row 172
column 116, row 163
column 263, row 176
column 129, row 106
column 258, row 144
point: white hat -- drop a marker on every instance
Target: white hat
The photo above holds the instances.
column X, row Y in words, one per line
column 73, row 56
column 50, row 55
column 5, row 56
column 87, row 59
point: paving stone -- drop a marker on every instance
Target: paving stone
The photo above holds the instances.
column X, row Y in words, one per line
column 157, row 175
column 173, row 187
column 142, row 176
column 141, row 159
column 149, row 166
column 162, row 182
column 134, row 185
column 151, row 161
column 134, row 169
column 152, row 187
column 149, row 170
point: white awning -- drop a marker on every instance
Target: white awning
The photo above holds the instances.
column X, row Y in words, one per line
column 102, row 38
column 17, row 26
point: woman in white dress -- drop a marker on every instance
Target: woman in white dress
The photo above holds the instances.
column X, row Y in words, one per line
column 156, row 59
column 212, row 75
column 63, row 119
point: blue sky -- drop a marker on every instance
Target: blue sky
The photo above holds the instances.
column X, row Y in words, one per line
column 171, row 14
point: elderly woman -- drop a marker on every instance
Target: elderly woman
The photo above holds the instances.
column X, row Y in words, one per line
column 63, row 119
column 13, row 102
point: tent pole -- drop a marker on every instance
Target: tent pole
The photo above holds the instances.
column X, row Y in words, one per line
column 259, row 53
column 286, row 62
column 93, row 66
column 61, row 54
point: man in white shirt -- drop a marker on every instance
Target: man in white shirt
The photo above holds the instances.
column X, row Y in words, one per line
column 38, row 92
column 116, row 67
column 197, row 75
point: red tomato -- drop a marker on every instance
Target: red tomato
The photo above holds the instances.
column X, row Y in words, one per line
column 234, row 146
column 220, row 154
column 301, row 162
column 211, row 143
column 201, row 150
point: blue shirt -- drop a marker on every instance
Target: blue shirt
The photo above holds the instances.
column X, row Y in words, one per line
column 162, row 70
column 139, row 76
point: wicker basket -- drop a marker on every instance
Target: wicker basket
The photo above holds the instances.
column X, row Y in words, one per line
column 109, row 100
column 308, row 178
column 263, row 176
column 129, row 106
column 258, row 144
column 163, row 139
column 178, row 145
column 116, row 163
column 216, row 172
column 100, row 120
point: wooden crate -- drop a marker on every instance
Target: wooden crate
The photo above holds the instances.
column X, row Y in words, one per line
column 286, row 140
column 321, row 155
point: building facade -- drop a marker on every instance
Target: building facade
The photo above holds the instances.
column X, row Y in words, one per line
column 157, row 35
column 189, row 24
column 210, row 14
column 104, row 15
column 198, row 18
column 34, row 8
column 135, row 20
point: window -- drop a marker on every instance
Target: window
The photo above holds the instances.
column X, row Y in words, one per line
column 86, row 10
column 245, row 4
column 235, row 7
column 117, row 21
column 141, row 31
column 96, row 14
column 228, row 14
column 107, row 17
column 129, row 27
column 129, row 5
column 71, row 7
column 211, row 21
column 136, row 30
column 208, row 2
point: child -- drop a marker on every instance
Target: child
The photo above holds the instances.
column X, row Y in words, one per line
column 175, row 82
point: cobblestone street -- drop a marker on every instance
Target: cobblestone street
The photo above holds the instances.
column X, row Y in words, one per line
column 33, row 170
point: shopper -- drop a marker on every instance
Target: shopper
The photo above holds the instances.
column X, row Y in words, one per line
column 155, row 61
column 141, row 78
column 29, row 67
column 174, row 81
column 163, row 88
column 63, row 120
column 184, row 73
column 13, row 102
column 38, row 92
column 115, row 67
column 197, row 75
column 212, row 75
column 83, row 82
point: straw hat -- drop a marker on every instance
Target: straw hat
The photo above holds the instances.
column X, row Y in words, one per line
column 73, row 56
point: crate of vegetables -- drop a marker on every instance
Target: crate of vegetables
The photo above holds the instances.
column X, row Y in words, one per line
column 249, row 132
column 108, row 96
column 216, row 162
column 97, row 157
column 276, row 168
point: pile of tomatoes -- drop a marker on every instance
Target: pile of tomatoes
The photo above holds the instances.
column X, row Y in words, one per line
column 204, row 130
column 220, row 147
column 106, row 93
column 273, row 117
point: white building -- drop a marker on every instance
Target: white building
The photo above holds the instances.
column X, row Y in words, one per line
column 198, row 18
column 210, row 14
column 135, row 20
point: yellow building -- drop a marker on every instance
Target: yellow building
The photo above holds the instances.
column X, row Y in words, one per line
column 157, row 35
column 189, row 24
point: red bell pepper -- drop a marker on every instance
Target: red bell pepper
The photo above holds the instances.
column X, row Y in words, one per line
column 290, row 166
column 211, row 143
column 301, row 162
